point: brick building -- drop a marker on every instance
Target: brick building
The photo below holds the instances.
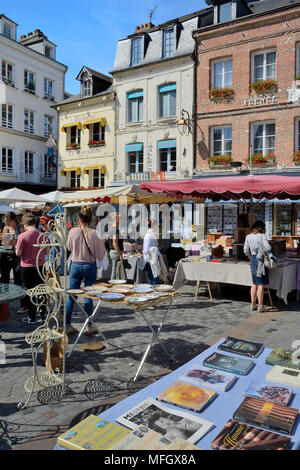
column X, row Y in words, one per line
column 249, row 42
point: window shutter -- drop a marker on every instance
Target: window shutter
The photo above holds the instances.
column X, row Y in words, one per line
column 173, row 103
column 19, row 163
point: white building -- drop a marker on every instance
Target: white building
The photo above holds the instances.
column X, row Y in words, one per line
column 31, row 80
column 154, row 74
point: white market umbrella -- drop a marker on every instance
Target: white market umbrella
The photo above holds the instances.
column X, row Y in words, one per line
column 53, row 196
column 18, row 195
column 29, row 205
column 4, row 208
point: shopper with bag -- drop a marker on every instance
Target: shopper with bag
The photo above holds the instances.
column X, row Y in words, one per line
column 257, row 248
column 86, row 248
column 116, row 251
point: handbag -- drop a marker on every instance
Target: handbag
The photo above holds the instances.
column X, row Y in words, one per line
column 269, row 259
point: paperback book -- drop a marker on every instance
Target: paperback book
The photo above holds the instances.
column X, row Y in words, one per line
column 143, row 438
column 93, row 433
column 273, row 393
column 170, row 423
column 234, row 365
column 266, row 414
column 284, row 358
column 239, row 346
column 206, row 377
column 187, row 396
column 284, row 375
column 240, row 436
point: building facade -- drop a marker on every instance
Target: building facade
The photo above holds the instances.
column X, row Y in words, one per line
column 154, row 74
column 31, row 80
column 247, row 96
column 86, row 124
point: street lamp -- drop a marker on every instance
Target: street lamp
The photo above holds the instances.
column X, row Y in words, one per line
column 184, row 124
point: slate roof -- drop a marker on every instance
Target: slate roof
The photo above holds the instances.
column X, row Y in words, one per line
column 78, row 97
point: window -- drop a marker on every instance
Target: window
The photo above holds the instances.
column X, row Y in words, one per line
column 297, row 135
column 221, row 141
column 48, row 89
column 73, row 138
column 49, row 52
column 29, row 163
column 167, row 100
column 7, row 116
column 225, row 12
column 136, row 162
column 168, row 42
column 7, row 160
column 47, row 169
column 48, row 125
column 29, row 121
column 29, row 81
column 74, row 179
column 87, row 88
column 98, row 132
column 7, row 31
column 136, row 51
column 135, row 106
column 264, row 66
column 222, row 74
column 297, row 59
column 7, row 73
column 98, row 179
column 263, row 138
column 167, row 155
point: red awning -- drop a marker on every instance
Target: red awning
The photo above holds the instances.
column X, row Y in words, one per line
column 232, row 187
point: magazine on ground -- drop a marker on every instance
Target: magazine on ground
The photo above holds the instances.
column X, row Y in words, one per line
column 273, row 393
column 93, row 433
column 143, row 438
column 206, row 377
column 234, row 365
column 239, row 346
column 284, row 375
column 187, row 396
column 284, row 358
column 172, row 424
column 266, row 414
column 241, row 436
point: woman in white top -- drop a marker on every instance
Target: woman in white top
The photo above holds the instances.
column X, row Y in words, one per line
column 150, row 241
column 253, row 243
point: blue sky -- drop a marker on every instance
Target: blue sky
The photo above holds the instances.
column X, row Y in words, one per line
column 87, row 33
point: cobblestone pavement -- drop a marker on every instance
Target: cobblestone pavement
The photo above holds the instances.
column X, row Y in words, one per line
column 190, row 325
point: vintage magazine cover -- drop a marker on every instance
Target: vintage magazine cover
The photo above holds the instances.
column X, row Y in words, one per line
column 266, row 414
column 206, row 377
column 241, row 436
column 234, row 365
column 187, row 396
column 284, row 358
column 284, row 375
column 239, row 346
column 172, row 424
column 274, row 393
column 93, row 433
column 143, row 438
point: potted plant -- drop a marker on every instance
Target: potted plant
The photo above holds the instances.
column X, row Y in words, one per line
column 96, row 143
column 296, row 158
column 262, row 160
column 220, row 160
column 73, row 145
column 297, row 81
column 263, row 86
column 221, row 94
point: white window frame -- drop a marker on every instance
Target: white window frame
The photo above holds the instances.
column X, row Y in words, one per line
column 212, row 142
column 8, row 125
column 264, row 124
column 26, row 73
column 77, row 179
column 139, row 39
column 87, row 90
column 47, row 123
column 48, row 95
column 264, row 53
column 137, row 162
column 11, row 29
column 101, row 177
column 297, row 134
column 160, row 94
column 30, row 128
column 213, row 84
column 137, row 117
column 164, row 49
column 51, row 56
column 297, row 59
column 101, row 132
column 5, row 78
column 219, row 12
column 47, row 169
column 28, row 162
column 170, row 167
column 7, row 171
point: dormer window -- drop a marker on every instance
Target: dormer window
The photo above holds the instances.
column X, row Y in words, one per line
column 225, row 13
column 87, row 88
column 49, row 52
column 168, row 42
column 136, row 51
column 7, row 31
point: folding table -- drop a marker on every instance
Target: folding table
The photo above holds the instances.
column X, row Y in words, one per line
column 140, row 308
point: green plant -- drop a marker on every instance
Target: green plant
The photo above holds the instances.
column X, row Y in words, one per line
column 261, row 86
column 260, row 159
column 221, row 93
column 220, row 159
column 296, row 156
column 297, row 77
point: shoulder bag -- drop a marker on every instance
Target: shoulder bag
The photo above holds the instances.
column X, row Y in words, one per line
column 269, row 259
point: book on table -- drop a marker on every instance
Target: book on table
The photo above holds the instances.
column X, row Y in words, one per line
column 273, row 393
column 240, row 436
column 284, row 358
column 207, row 377
column 187, row 396
column 93, row 433
column 266, row 414
column 284, row 375
column 172, row 424
column 239, row 346
column 143, row 438
column 234, row 365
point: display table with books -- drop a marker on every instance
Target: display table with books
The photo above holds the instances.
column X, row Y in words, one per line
column 283, row 278
column 252, row 413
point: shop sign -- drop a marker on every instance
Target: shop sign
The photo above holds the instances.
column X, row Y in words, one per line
column 261, row 100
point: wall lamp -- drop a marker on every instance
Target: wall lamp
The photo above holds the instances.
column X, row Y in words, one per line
column 185, row 123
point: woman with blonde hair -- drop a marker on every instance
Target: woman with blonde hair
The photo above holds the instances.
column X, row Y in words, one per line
column 85, row 247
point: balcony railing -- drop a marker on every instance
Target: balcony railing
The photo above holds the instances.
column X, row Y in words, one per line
column 49, row 96
column 7, row 123
column 8, row 81
column 30, row 88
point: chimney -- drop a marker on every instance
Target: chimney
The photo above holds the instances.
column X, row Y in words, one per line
column 144, row 27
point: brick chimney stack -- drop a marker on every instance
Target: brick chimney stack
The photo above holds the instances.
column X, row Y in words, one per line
column 144, row 27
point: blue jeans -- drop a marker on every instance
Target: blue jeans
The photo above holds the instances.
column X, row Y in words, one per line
column 78, row 273
column 153, row 281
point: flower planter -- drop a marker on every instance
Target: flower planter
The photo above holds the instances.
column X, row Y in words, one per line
column 219, row 167
column 95, row 143
column 263, row 86
column 221, row 94
column 73, row 147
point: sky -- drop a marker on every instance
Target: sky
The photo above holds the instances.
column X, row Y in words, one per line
column 87, row 33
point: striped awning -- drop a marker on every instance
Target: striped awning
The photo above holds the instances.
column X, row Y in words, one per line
column 72, row 168
column 71, row 124
column 102, row 120
column 88, row 168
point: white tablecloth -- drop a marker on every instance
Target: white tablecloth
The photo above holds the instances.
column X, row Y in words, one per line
column 283, row 279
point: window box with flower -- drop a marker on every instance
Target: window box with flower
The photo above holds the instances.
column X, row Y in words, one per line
column 258, row 159
column 297, row 81
column 220, row 161
column 263, row 86
column 296, row 158
column 96, row 143
column 221, row 94
column 73, row 146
